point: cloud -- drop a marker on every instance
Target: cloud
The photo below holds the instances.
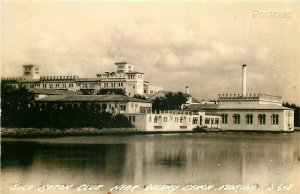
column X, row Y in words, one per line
column 173, row 45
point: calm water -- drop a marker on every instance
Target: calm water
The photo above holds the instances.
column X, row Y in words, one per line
column 215, row 158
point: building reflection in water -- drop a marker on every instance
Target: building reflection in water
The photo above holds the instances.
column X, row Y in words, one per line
column 155, row 159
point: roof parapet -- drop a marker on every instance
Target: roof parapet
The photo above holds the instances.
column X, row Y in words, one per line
column 65, row 77
column 240, row 97
column 12, row 78
column 175, row 112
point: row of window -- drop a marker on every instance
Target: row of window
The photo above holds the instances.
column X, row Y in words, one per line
column 64, row 85
column 176, row 119
column 261, row 119
column 120, row 66
column 145, row 109
column 134, row 105
column 83, row 85
column 58, row 77
column 112, row 85
column 132, row 76
column 131, row 118
column 211, row 121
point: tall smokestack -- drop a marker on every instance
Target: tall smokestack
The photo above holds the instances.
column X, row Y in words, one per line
column 187, row 90
column 244, row 79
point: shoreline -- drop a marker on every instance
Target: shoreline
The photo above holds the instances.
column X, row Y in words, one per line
column 85, row 131
column 53, row 132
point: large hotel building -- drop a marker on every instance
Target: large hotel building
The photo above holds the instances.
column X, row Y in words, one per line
column 231, row 112
column 124, row 79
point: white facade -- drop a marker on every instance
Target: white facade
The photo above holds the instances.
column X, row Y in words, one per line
column 212, row 121
column 172, row 120
column 258, row 120
column 150, row 89
column 165, row 121
column 124, row 78
column 134, row 83
column 31, row 72
column 257, row 112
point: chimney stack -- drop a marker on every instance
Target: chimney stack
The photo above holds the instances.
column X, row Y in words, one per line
column 187, row 90
column 244, row 80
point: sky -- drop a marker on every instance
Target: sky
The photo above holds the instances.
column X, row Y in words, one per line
column 176, row 44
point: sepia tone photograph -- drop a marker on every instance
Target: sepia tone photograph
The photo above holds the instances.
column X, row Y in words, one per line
column 150, row 97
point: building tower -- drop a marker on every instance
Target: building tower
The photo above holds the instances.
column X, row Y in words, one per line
column 31, row 72
column 187, row 90
column 124, row 67
column 244, row 84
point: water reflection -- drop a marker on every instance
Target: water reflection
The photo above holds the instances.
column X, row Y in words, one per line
column 231, row 158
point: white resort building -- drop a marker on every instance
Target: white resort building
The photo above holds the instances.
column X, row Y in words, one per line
column 123, row 79
column 231, row 112
column 258, row 112
column 242, row 112
column 173, row 120
column 167, row 121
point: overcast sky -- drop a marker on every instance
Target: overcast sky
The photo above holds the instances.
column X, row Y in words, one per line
column 202, row 45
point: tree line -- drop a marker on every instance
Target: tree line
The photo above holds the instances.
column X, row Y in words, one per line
column 20, row 110
column 171, row 101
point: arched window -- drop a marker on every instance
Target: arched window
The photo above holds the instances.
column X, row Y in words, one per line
column 217, row 121
column 181, row 119
column 165, row 119
column 249, row 119
column 275, row 119
column 207, row 120
column 159, row 119
column 155, row 119
column 150, row 119
column 236, row 118
column 224, row 118
column 195, row 120
column 262, row 119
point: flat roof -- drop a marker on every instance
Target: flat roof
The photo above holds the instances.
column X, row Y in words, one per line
column 134, row 72
column 29, row 81
column 30, row 65
column 236, row 107
column 87, row 79
column 92, row 98
column 122, row 62
column 52, row 91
